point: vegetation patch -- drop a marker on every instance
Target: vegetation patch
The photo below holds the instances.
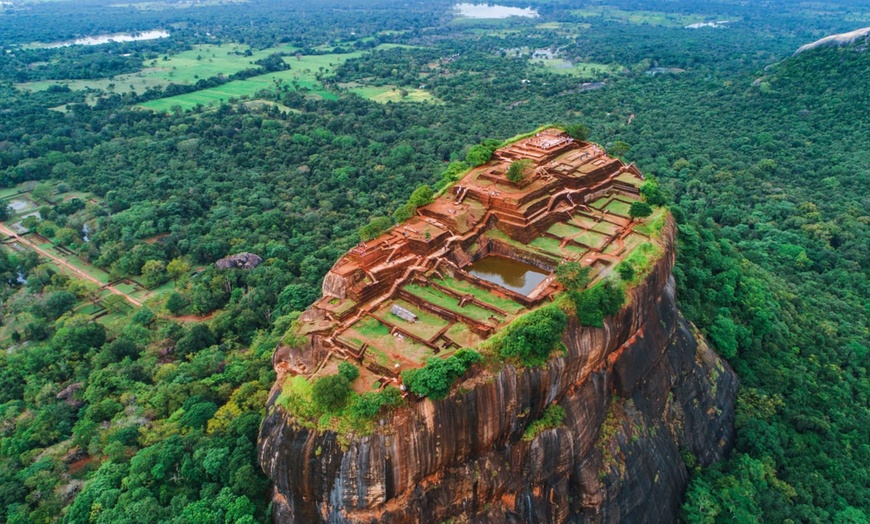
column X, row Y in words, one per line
column 531, row 338
column 581, row 70
column 553, row 417
column 435, row 379
column 390, row 93
column 654, row 18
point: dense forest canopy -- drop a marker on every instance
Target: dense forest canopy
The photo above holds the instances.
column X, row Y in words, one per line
column 141, row 403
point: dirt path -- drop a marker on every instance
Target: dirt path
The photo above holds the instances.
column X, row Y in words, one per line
column 63, row 263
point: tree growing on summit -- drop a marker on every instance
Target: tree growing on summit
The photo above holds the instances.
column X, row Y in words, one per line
column 348, row 371
column 652, row 193
column 639, row 210
column 572, row 275
column 578, row 131
column 519, row 170
column 619, row 148
column 330, row 392
column 478, row 155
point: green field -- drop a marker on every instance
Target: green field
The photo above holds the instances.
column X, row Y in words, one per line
column 302, row 75
column 201, row 62
column 389, row 93
column 656, row 18
column 549, row 245
column 606, row 227
column 583, row 70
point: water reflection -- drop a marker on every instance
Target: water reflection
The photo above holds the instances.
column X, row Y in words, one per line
column 508, row 273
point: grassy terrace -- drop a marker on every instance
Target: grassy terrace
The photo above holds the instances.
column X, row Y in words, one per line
column 481, row 294
column 563, row 230
column 548, row 245
column 618, row 207
column 462, row 335
column 451, row 304
column 427, row 326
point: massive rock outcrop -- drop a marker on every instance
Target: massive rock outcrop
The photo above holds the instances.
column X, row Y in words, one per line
column 641, row 395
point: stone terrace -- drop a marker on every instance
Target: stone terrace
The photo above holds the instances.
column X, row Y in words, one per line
column 574, row 206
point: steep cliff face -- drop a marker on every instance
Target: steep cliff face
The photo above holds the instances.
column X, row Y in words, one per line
column 640, row 394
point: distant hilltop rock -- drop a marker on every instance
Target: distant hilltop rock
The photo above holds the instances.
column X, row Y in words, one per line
column 240, row 261
column 839, row 40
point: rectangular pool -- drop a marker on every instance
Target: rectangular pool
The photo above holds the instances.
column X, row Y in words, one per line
column 508, row 273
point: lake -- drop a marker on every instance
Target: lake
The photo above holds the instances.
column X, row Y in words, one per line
column 493, row 11
column 115, row 37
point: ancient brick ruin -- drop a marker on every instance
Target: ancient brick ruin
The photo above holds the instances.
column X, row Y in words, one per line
column 572, row 206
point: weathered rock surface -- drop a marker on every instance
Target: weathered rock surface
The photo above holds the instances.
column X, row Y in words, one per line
column 639, row 394
column 239, row 261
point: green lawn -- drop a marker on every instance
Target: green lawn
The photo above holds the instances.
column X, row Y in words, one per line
column 605, row 227
column 201, row 62
column 591, row 239
column 427, row 326
column 576, row 250
column 550, row 245
column 301, row 75
column 656, row 18
column 438, row 298
column 599, row 203
column 582, row 70
column 618, row 207
column 461, row 286
column 653, row 224
column 563, row 230
column 584, row 221
column 389, row 93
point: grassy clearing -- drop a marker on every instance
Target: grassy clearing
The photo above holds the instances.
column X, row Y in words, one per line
column 370, row 331
column 657, row 18
column 302, row 76
column 201, row 62
column 576, row 250
column 584, row 221
column 582, row 70
column 390, row 93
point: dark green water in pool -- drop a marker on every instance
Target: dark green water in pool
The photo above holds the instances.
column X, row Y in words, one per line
column 508, row 273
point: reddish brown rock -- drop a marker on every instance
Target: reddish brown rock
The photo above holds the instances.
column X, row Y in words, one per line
column 637, row 393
